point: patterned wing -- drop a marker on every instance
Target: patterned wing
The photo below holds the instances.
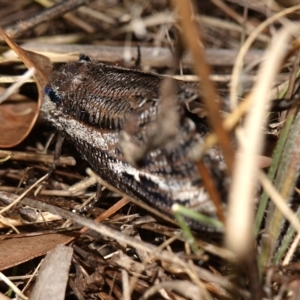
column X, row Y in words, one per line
column 94, row 104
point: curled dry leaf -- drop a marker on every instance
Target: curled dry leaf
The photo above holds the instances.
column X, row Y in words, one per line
column 16, row 122
column 18, row 118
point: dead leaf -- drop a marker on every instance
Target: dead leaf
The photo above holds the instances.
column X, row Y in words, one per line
column 53, row 275
column 15, row 122
column 17, row 119
column 18, row 250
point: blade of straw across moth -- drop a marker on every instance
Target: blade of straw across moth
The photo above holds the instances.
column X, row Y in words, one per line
column 192, row 39
column 43, row 68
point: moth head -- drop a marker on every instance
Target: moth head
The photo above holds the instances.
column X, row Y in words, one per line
column 52, row 94
column 49, row 105
column 84, row 58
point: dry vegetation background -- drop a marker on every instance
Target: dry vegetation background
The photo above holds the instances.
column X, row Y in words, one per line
column 249, row 51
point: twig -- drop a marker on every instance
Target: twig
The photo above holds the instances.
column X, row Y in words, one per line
column 46, row 15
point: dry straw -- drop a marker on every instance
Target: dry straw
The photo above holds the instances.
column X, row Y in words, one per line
column 241, row 198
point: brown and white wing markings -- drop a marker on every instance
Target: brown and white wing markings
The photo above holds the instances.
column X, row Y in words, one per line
column 92, row 103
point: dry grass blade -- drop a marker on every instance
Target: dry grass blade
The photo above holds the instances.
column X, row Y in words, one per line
column 36, row 157
column 14, row 88
column 56, row 10
column 13, row 287
column 18, row 199
column 239, row 60
column 103, row 216
column 64, row 52
column 202, row 69
column 279, row 201
column 184, row 288
column 292, row 250
column 241, row 206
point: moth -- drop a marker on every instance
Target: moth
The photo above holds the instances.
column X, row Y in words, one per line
column 133, row 133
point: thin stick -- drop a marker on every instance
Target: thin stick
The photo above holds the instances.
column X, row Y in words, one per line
column 12, row 286
column 46, row 15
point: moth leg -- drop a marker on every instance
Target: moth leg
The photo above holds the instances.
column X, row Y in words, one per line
column 94, row 202
column 139, row 57
column 57, row 152
column 99, row 193
column 90, row 203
